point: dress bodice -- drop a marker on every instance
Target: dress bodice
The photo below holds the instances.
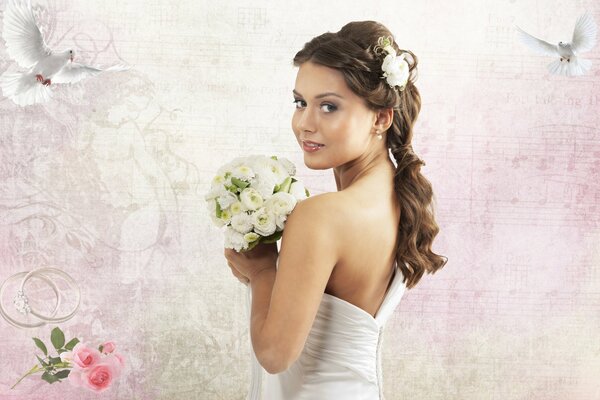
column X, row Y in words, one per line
column 341, row 358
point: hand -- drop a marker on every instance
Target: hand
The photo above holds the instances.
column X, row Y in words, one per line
column 246, row 265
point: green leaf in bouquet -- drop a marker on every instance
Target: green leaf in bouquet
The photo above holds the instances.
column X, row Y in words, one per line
column 272, row 238
column 233, row 189
column 239, row 183
column 48, row 377
column 307, row 193
column 218, row 211
column 54, row 360
column 62, row 374
column 41, row 345
column 57, row 337
column 252, row 245
column 286, row 185
column 44, row 363
column 71, row 344
column 274, row 157
column 227, row 175
column 276, row 188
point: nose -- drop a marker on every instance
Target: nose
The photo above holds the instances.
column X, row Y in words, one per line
column 306, row 121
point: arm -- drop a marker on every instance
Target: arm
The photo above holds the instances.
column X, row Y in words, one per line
column 262, row 287
column 285, row 301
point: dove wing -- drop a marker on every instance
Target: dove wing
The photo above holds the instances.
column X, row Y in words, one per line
column 74, row 72
column 584, row 34
column 538, row 45
column 24, row 41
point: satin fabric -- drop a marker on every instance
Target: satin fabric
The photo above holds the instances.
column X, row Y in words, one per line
column 342, row 355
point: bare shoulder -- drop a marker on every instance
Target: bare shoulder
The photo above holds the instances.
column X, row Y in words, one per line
column 329, row 205
column 322, row 213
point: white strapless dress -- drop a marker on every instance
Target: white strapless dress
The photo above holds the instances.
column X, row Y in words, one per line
column 342, row 355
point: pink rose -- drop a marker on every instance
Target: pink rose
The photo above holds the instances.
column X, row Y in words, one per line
column 108, row 347
column 75, row 377
column 100, row 376
column 84, row 356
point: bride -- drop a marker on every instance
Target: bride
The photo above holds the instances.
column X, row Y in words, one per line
column 316, row 313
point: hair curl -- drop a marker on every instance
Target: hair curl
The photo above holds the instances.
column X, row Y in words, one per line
column 353, row 51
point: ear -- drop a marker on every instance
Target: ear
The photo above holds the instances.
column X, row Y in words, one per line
column 384, row 119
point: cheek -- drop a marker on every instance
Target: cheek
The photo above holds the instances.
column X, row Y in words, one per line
column 294, row 124
column 346, row 133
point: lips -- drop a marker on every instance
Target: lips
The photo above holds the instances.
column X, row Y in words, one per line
column 312, row 143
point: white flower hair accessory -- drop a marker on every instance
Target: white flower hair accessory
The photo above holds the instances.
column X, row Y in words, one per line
column 395, row 68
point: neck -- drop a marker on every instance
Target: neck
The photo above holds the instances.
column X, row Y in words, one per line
column 371, row 162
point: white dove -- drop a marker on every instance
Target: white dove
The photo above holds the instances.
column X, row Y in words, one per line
column 25, row 44
column 569, row 64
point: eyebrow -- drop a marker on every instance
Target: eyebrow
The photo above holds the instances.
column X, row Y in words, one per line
column 321, row 95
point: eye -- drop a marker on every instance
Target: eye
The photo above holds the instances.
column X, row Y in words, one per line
column 296, row 102
column 333, row 108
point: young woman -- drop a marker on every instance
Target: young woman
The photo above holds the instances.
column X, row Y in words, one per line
column 319, row 306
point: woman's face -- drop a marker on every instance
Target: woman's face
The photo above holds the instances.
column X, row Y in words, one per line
column 339, row 120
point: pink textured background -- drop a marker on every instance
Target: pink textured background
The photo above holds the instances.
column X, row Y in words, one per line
column 107, row 181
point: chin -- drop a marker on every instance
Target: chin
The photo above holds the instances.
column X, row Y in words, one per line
column 316, row 165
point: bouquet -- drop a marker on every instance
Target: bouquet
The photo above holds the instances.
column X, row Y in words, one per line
column 252, row 197
column 81, row 365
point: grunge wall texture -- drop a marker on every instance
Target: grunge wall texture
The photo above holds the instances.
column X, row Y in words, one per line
column 106, row 181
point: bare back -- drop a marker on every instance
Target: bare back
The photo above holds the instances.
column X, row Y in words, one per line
column 367, row 230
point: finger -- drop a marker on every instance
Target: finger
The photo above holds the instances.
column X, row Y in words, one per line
column 235, row 272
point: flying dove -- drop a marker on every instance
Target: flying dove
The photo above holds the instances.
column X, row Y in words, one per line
column 25, row 44
column 569, row 62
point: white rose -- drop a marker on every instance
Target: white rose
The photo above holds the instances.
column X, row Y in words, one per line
column 243, row 172
column 264, row 222
column 237, row 207
column 217, row 181
column 396, row 70
column 217, row 221
column 288, row 165
column 399, row 79
column 226, row 215
column 281, row 203
column 234, row 240
column 215, row 192
column 241, row 222
column 278, row 169
column 280, row 221
column 387, row 61
column 298, row 191
column 264, row 184
column 268, row 169
column 226, row 199
column 251, row 198
column 251, row 237
column 66, row 356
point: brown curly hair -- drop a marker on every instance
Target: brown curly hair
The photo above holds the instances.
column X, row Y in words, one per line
column 354, row 51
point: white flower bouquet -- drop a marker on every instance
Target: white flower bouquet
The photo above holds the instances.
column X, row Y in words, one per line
column 252, row 197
